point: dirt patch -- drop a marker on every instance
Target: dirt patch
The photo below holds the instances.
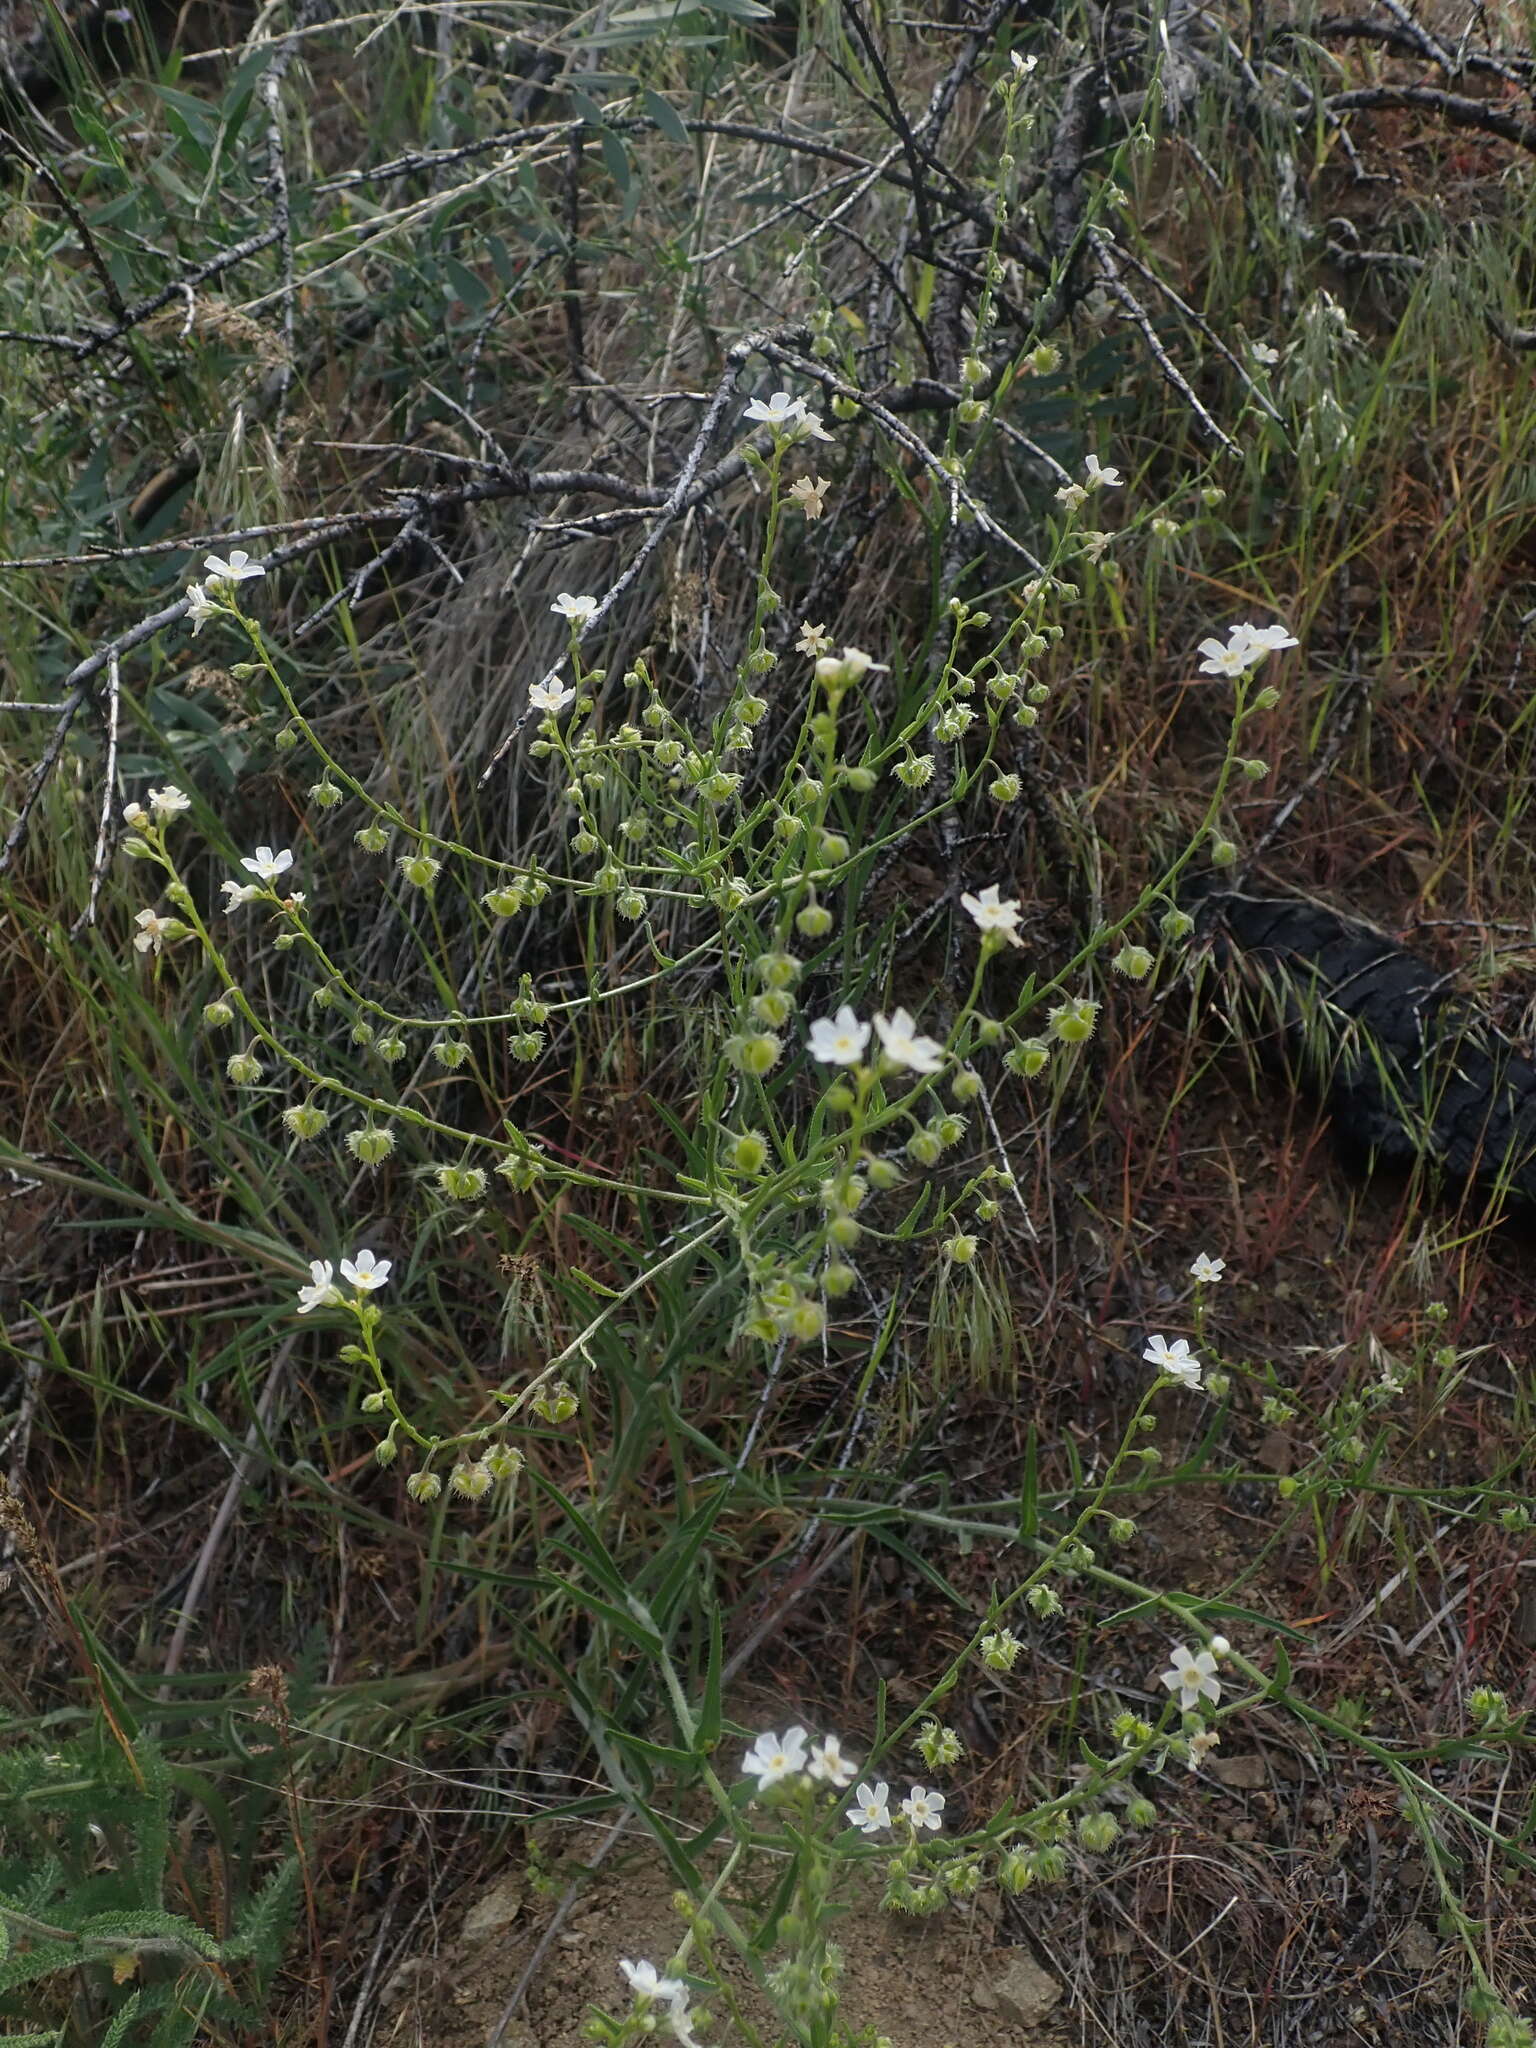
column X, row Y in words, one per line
column 954, row 1981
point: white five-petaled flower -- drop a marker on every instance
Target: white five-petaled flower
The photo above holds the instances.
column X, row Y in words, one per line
column 646, row 1981
column 1022, row 65
column 1192, row 1675
column 1100, row 477
column 779, row 411
column 239, row 568
column 550, row 696
column 165, row 803
column 1263, row 353
column 1246, row 647
column 1175, row 1359
column 577, row 609
column 839, row 1041
column 153, row 930
column 200, row 608
column 814, row 640
column 1207, row 1268
column 267, row 865
column 899, row 1043
column 871, row 1809
column 321, row 1290
column 771, row 1761
column 365, row 1271
column 828, row 1765
column 995, row 914
column 924, row 1809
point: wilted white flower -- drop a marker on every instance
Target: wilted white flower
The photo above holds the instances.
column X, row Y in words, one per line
column 1207, row 1268
column 839, row 1041
column 1201, row 1743
column 1100, row 478
column 321, row 1290
column 994, row 914
column 577, row 609
column 898, row 1041
column 810, row 494
column 1175, row 1359
column 770, row 1761
column 871, row 1808
column 365, row 1271
column 1192, row 1676
column 1094, row 544
column 154, row 930
column 236, row 893
column 1070, row 496
column 550, row 696
column 267, row 865
column 200, row 608
column 238, row 569
column 828, row 1765
column 924, row 1809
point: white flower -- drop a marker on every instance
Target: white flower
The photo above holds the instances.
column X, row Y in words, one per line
column 871, row 1809
column 1263, row 353
column 134, row 814
column 1175, row 1359
column 1273, row 639
column 839, row 1041
column 1235, row 659
column 770, row 1761
column 1100, row 478
column 267, row 865
column 200, row 608
column 1192, row 1676
column 1071, row 496
column 1094, row 545
column 550, row 696
column 1022, row 65
column 779, row 411
column 1201, row 1744
column 165, row 803
column 814, row 640
column 924, row 1809
column 365, row 1271
column 647, row 1982
column 153, row 930
column 236, row 893
column 809, row 428
column 1246, row 647
column 828, row 1765
column 1207, row 1268
column 238, row 569
column 993, row 914
column 577, row 609
column 321, row 1291
column 898, row 1043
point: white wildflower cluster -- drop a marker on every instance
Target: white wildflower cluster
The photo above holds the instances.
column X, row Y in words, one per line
column 794, row 1759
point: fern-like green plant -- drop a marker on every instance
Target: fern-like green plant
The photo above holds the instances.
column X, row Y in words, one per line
column 88, row 1943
